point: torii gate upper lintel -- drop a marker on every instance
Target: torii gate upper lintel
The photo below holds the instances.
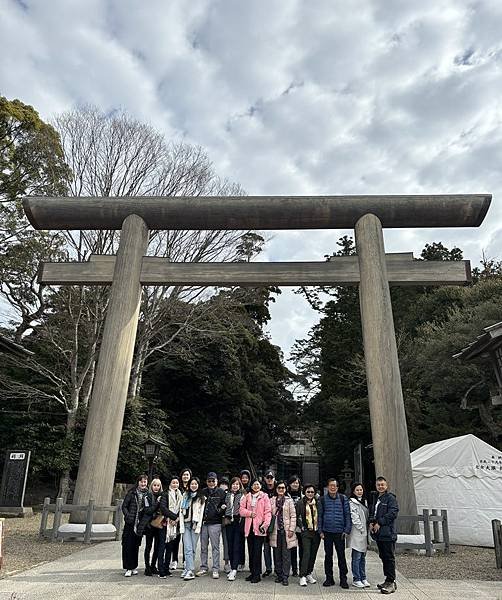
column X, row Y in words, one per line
column 373, row 271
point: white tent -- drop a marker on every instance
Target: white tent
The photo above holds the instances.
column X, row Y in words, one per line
column 463, row 475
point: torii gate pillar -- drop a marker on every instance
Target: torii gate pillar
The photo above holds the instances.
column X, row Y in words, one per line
column 388, row 419
column 98, row 460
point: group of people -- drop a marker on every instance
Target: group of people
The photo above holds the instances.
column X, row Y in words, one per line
column 282, row 522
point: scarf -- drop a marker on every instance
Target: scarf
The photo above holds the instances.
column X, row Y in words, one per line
column 233, row 504
column 142, row 503
column 172, row 529
column 187, row 500
column 311, row 515
column 279, row 504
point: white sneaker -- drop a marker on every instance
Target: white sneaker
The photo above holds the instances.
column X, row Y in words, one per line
column 134, row 572
column 358, row 584
column 232, row 575
column 128, row 573
column 173, row 565
column 366, row 583
column 183, row 573
column 303, row 581
column 240, row 568
column 216, row 575
column 201, row 573
column 227, row 568
column 310, row 578
column 189, row 575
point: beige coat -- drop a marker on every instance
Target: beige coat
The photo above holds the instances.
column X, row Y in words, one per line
column 289, row 513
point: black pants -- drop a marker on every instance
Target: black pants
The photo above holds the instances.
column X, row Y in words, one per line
column 175, row 549
column 296, row 554
column 310, row 545
column 242, row 547
column 282, row 556
column 130, row 548
column 166, row 551
column 386, row 553
column 255, row 546
column 336, row 540
column 152, row 536
column 234, row 536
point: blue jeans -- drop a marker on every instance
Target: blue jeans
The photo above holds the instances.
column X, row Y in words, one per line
column 358, row 565
column 190, row 539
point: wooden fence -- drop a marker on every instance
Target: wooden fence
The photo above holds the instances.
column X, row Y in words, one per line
column 433, row 540
column 88, row 533
column 497, row 542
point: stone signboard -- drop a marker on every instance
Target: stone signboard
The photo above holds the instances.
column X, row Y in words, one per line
column 15, row 472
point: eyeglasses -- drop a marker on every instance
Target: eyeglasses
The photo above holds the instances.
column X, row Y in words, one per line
column 310, row 492
column 281, row 487
column 211, row 480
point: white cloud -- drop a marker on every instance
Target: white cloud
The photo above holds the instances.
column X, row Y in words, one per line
column 295, row 97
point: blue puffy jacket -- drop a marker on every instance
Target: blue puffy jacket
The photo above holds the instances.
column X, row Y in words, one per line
column 335, row 514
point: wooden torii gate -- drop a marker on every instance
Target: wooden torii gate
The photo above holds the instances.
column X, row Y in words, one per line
column 372, row 270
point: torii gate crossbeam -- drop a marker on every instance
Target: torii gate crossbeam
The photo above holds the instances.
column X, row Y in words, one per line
column 366, row 214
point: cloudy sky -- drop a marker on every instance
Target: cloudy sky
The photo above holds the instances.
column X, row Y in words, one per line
column 288, row 97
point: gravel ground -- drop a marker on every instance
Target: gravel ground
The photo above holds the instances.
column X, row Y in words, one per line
column 23, row 548
column 464, row 562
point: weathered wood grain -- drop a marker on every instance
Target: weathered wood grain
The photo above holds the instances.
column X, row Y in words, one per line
column 343, row 270
column 98, row 459
column 258, row 212
column 388, row 419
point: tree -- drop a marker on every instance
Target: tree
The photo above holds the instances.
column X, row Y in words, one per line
column 225, row 390
column 112, row 155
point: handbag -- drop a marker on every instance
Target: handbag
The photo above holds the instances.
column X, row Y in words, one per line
column 158, row 522
column 271, row 527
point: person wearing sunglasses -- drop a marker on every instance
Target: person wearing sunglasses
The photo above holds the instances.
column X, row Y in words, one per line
column 308, row 519
column 283, row 534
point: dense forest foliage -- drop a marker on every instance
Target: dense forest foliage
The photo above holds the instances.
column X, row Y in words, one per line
column 443, row 397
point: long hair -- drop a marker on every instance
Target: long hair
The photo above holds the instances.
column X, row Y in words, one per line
column 363, row 499
column 198, row 494
column 185, row 470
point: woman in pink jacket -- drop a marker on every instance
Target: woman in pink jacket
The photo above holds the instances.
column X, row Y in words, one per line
column 283, row 536
column 255, row 508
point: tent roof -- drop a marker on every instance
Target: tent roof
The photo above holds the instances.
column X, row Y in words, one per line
column 463, row 456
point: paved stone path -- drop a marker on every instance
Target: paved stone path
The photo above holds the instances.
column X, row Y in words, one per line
column 95, row 573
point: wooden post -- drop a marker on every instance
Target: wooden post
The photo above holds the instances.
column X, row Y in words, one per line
column 446, row 533
column 100, row 449
column 118, row 519
column 45, row 514
column 388, row 419
column 88, row 522
column 58, row 513
column 435, row 526
column 497, row 542
column 427, row 533
column 2, row 521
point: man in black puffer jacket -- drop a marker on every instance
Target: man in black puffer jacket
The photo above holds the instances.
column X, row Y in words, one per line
column 383, row 531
